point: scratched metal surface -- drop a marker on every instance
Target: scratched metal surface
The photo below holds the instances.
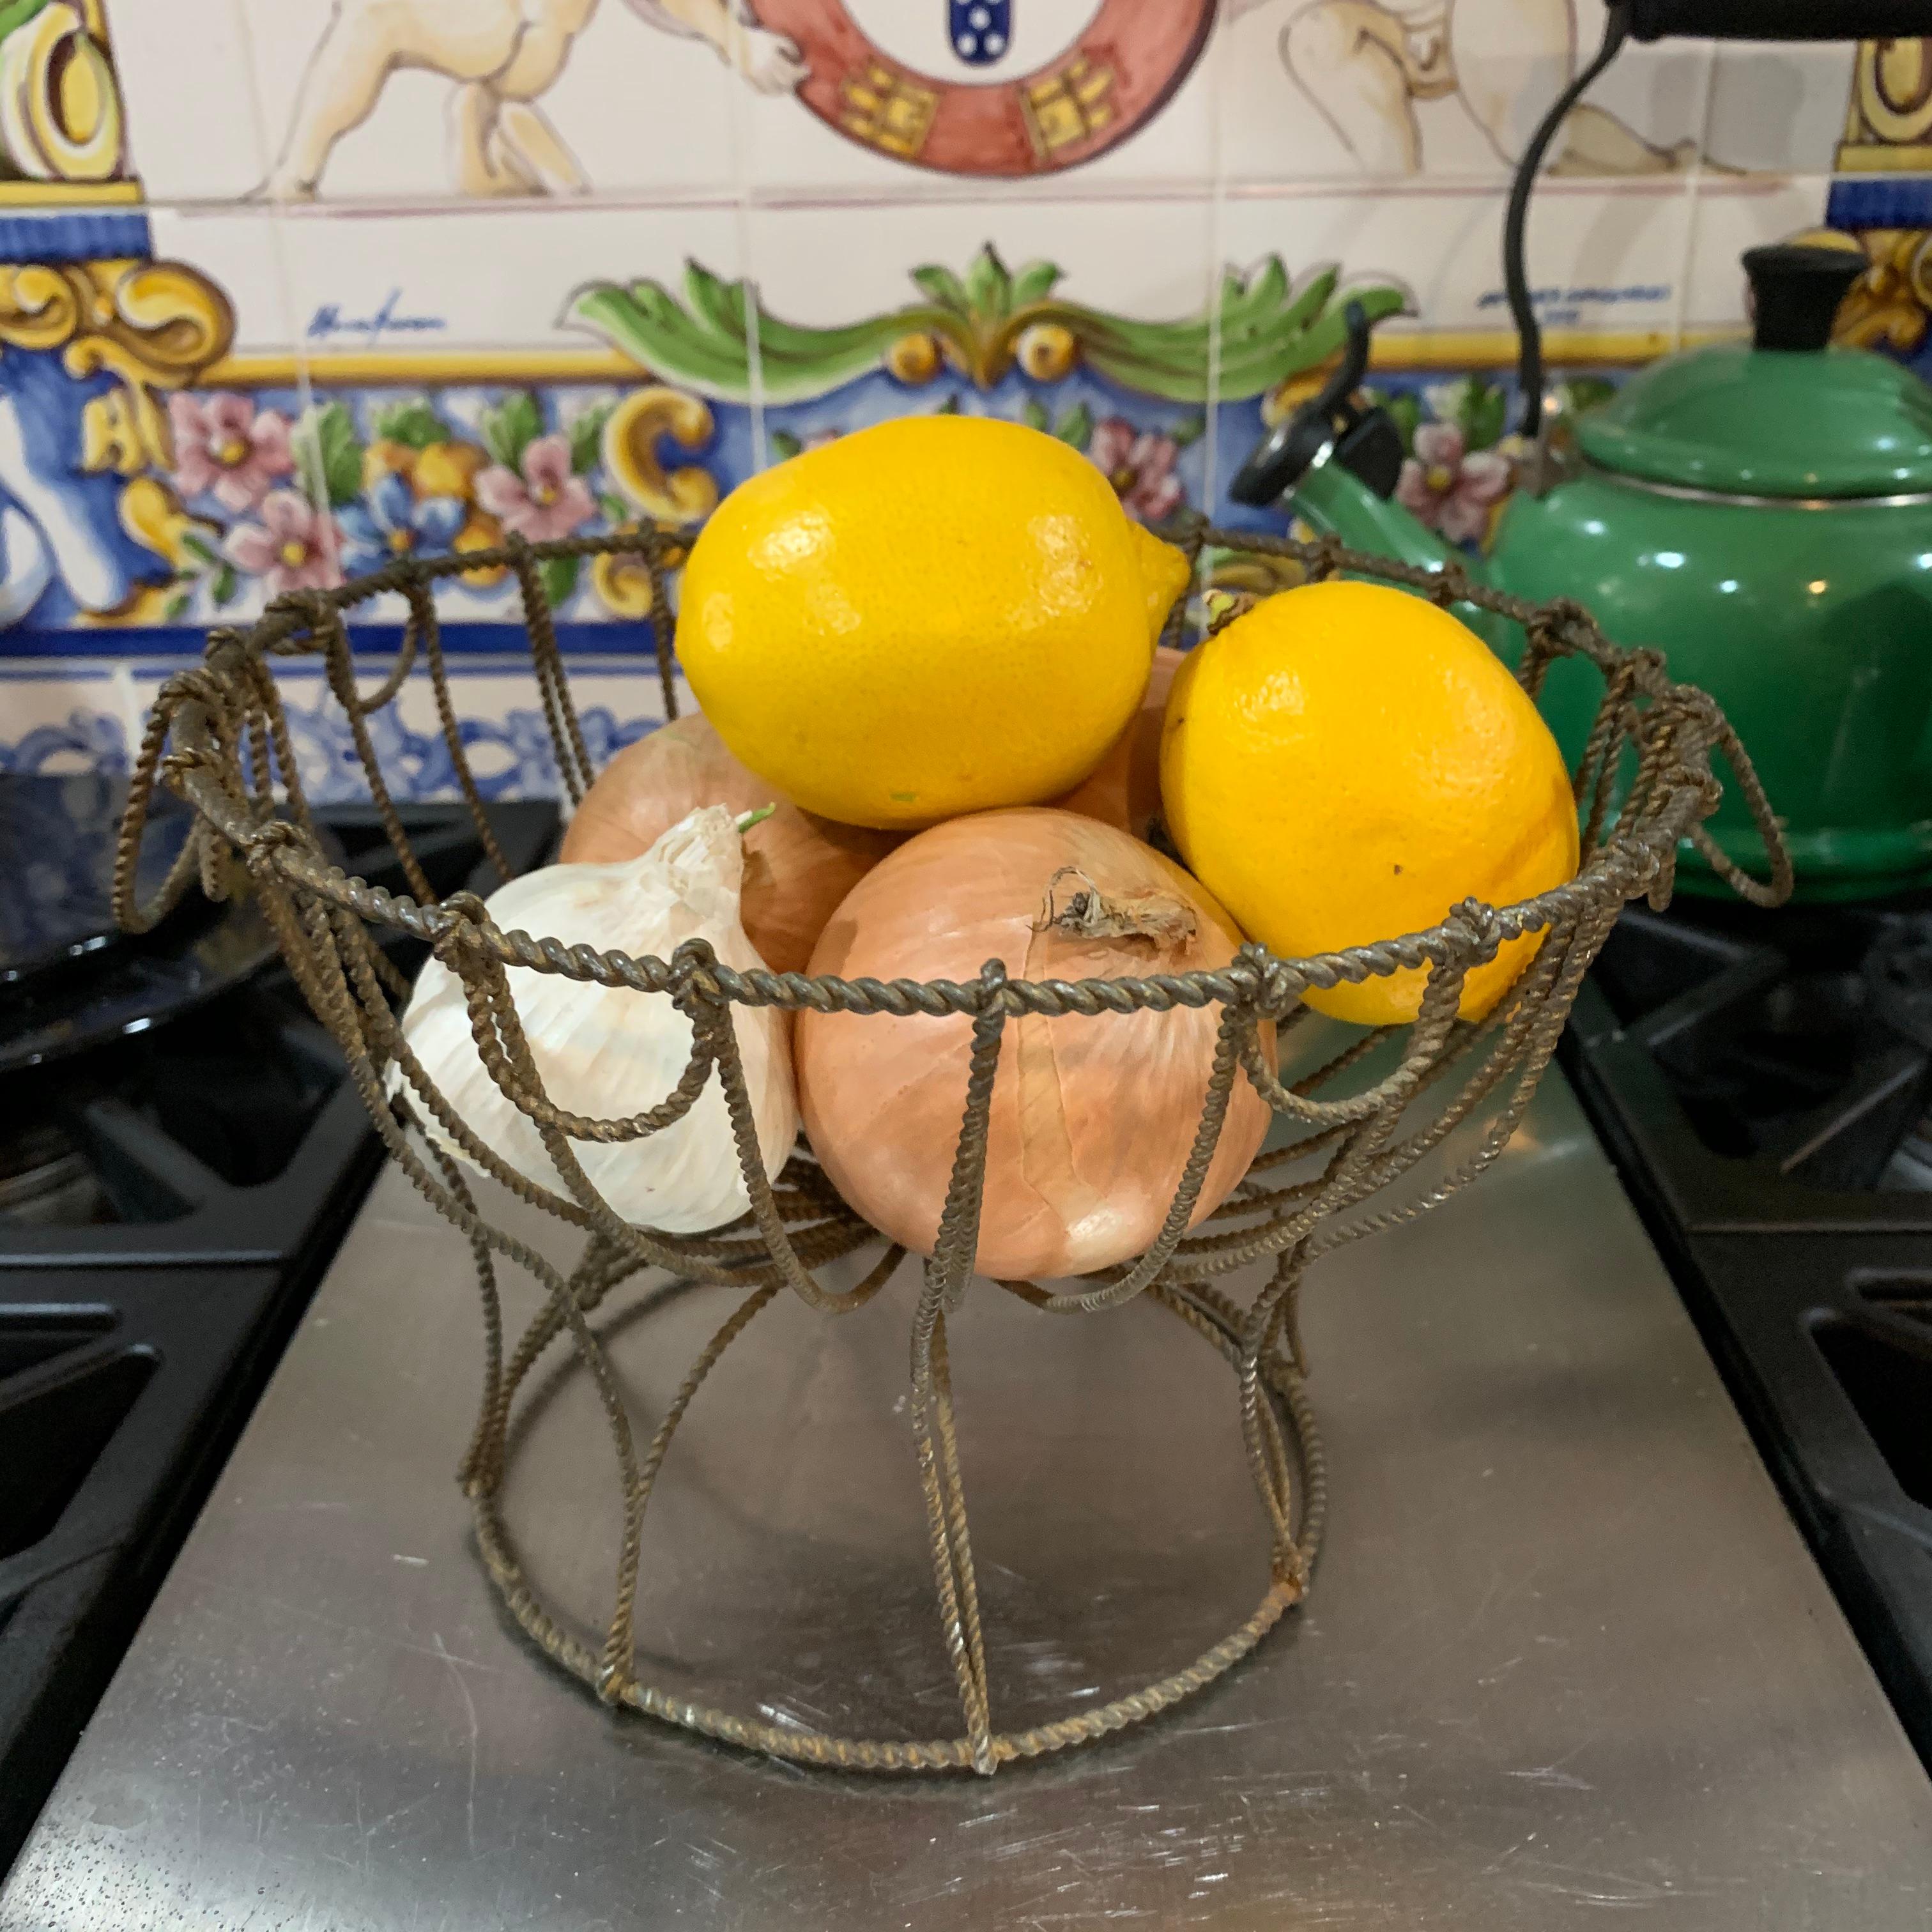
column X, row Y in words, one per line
column 1565, row 1652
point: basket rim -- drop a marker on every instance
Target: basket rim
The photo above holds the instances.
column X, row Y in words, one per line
column 1636, row 858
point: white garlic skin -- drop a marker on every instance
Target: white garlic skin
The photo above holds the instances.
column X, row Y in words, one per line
column 607, row 1052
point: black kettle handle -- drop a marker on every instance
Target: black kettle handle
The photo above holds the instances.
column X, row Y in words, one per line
column 1781, row 19
column 1650, row 20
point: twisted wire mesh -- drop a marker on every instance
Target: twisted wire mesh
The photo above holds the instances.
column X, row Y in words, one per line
column 219, row 738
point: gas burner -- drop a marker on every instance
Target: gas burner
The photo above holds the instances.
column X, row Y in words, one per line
column 1803, row 1045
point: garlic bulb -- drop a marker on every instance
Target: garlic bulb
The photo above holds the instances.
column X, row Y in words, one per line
column 607, row 1052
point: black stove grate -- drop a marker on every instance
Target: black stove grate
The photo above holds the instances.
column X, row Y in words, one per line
column 1762, row 1084
column 168, row 1200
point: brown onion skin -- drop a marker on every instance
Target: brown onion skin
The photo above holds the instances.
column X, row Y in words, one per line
column 1124, row 789
column 1111, row 1103
column 798, row 866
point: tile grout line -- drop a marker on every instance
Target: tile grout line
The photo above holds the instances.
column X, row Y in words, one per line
column 1693, row 195
column 1049, row 191
column 315, row 488
column 741, row 204
column 1217, row 265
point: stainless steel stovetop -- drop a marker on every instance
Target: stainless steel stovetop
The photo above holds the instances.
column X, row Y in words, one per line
column 1566, row 1655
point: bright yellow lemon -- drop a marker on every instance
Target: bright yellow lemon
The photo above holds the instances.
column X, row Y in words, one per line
column 936, row 615
column 1344, row 764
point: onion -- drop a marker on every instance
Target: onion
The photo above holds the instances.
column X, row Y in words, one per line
column 1124, row 789
column 1092, row 1119
column 798, row 866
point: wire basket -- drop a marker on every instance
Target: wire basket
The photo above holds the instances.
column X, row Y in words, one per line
column 218, row 738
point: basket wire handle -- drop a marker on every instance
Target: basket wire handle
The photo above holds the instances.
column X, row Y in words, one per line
column 324, row 620
column 1776, row 889
column 429, row 624
column 566, row 734
column 711, row 1017
column 656, row 550
column 943, row 1287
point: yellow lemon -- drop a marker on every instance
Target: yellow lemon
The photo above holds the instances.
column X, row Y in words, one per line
column 936, row 615
column 1344, row 764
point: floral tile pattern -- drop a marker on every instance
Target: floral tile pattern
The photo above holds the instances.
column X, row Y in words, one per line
column 275, row 497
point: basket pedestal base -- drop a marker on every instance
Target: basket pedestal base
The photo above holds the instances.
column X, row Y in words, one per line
column 617, row 1671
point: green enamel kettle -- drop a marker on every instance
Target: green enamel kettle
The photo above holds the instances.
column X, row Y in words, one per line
column 1761, row 512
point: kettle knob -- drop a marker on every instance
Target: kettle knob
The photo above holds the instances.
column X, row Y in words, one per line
column 1796, row 288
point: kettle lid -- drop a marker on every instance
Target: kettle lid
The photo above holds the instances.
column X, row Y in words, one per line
column 1785, row 416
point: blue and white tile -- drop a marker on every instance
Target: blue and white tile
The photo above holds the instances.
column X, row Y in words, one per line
column 500, row 717
column 68, row 717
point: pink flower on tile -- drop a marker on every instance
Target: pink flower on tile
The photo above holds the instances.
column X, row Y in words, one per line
column 224, row 443
column 294, row 547
column 546, row 501
column 1139, row 463
column 1449, row 486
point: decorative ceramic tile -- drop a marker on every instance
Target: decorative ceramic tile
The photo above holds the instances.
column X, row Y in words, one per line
column 384, row 472
column 90, row 715
column 1888, row 117
column 297, row 390
column 1733, row 215
column 266, row 490
column 902, row 99
column 1415, row 90
column 64, row 717
column 1780, row 107
column 93, row 344
column 393, row 289
column 1605, row 262
column 522, row 398
column 1890, row 215
column 63, row 132
column 196, row 472
column 1150, row 260
column 193, row 130
column 379, row 99
column 241, row 254
column 1097, row 328
column 500, row 718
